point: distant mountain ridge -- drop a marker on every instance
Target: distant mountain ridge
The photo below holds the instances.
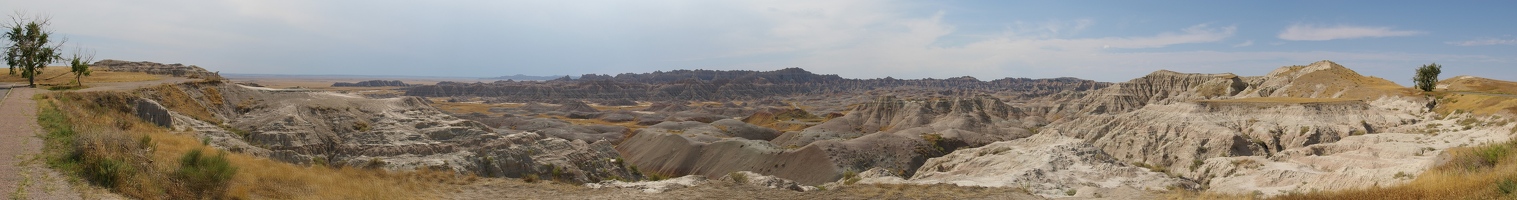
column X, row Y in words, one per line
column 739, row 85
column 524, row 77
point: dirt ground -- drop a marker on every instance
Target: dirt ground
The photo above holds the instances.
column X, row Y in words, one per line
column 501, row 188
column 22, row 174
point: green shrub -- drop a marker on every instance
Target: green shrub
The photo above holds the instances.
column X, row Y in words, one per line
column 1492, row 153
column 1194, row 164
column 1506, row 186
column 105, row 172
column 1426, row 78
column 207, row 176
column 936, row 140
column 145, row 142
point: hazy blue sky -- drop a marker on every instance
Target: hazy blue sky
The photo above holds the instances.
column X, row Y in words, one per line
column 1101, row 40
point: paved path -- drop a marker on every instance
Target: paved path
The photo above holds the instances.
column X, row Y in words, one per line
column 22, row 174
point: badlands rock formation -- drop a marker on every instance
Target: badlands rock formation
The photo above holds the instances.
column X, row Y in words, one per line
column 1299, row 128
column 177, row 70
column 1045, row 164
column 1175, row 120
column 889, row 133
column 401, row 133
column 708, row 85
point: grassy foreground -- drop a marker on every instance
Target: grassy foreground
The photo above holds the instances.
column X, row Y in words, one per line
column 95, row 139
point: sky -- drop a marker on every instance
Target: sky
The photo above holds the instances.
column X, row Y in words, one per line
column 1100, row 40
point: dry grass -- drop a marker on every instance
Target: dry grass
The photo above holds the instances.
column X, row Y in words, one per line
column 256, row 178
column 1468, row 83
column 175, row 99
column 1476, row 103
column 1480, row 96
column 59, row 75
column 1353, row 85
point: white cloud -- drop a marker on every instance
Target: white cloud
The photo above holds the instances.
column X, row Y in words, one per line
column 1483, row 42
column 1245, row 43
column 905, row 46
column 852, row 38
column 1320, row 33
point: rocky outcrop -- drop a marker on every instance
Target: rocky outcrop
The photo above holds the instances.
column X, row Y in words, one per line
column 152, row 112
column 371, row 83
column 176, row 70
column 890, row 133
column 756, row 179
column 667, row 152
column 1184, row 123
column 1354, row 162
column 395, row 133
column 575, row 106
column 658, row 186
column 708, row 85
column 982, row 119
column 1046, row 164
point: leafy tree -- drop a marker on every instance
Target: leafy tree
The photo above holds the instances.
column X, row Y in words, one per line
column 1427, row 76
column 31, row 48
column 79, row 64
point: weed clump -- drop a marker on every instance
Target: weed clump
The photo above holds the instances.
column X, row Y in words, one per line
column 738, row 178
column 850, row 177
column 205, row 175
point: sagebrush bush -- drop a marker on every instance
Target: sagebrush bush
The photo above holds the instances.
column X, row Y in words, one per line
column 207, row 176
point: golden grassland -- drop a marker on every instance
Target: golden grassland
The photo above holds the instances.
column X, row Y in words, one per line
column 1480, row 96
column 1469, row 83
column 76, row 122
column 59, row 75
column 1352, row 84
column 1479, row 104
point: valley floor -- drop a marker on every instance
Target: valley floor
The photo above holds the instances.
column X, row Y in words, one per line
column 502, row 188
